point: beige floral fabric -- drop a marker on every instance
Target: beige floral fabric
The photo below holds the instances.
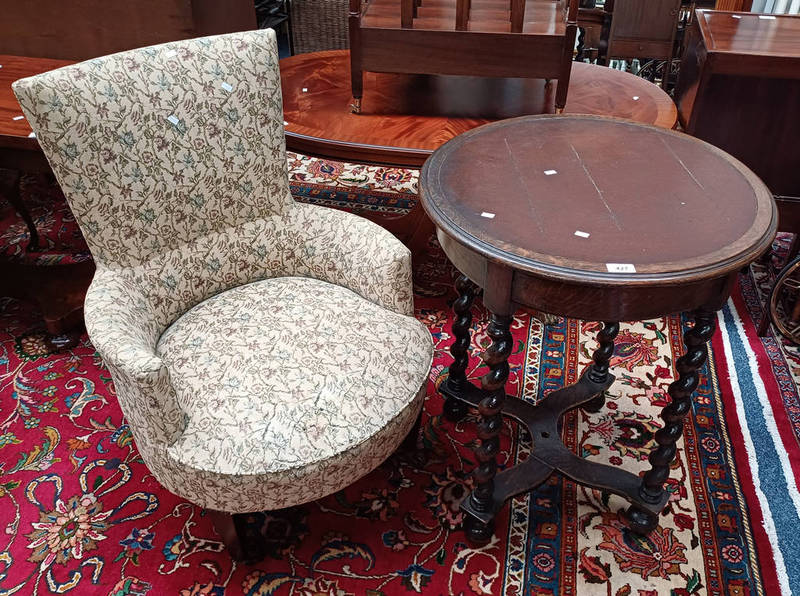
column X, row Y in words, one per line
column 157, row 146
column 173, row 160
column 284, row 373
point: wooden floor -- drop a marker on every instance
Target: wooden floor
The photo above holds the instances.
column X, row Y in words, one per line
column 491, row 16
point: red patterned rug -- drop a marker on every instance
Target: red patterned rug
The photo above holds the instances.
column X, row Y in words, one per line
column 80, row 513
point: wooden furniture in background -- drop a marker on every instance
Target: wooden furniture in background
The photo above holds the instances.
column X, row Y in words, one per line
column 408, row 116
column 81, row 29
column 635, row 29
column 643, row 28
column 739, row 89
column 57, row 289
column 591, row 218
column 733, row 5
column 487, row 38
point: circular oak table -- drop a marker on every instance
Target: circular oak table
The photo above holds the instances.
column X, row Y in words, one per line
column 406, row 117
column 592, row 218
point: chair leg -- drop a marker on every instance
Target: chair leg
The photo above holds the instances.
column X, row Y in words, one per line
column 231, row 527
column 358, row 91
column 13, row 197
column 411, row 445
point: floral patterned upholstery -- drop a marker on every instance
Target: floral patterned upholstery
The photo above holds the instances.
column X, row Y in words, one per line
column 264, row 351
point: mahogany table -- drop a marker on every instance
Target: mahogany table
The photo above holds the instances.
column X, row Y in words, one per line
column 591, row 218
column 406, row 117
column 58, row 289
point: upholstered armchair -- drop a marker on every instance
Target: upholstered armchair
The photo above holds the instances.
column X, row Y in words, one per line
column 264, row 351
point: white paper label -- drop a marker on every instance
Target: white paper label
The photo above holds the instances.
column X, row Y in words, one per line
column 635, row 98
column 620, row 268
column 550, row 172
column 487, row 215
column 227, row 86
column 581, row 234
column 173, row 119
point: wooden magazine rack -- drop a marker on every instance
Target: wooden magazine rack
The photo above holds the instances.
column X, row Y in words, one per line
column 485, row 38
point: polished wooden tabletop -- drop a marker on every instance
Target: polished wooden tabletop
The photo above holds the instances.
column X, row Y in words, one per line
column 737, row 32
column 406, row 117
column 14, row 130
column 597, row 202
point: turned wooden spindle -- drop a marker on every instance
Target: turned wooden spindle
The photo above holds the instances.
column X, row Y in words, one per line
column 356, row 73
column 408, row 8
column 598, row 371
column 517, row 15
column 490, row 409
column 680, row 390
column 455, row 409
column 462, row 14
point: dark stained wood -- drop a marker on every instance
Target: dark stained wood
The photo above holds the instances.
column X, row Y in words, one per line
column 680, row 392
column 243, row 545
column 598, row 373
column 489, row 38
column 517, row 15
column 58, row 290
column 407, row 13
column 739, row 89
column 598, row 219
column 407, row 117
column 9, row 190
column 462, row 14
column 81, row 29
column 490, row 408
column 454, row 409
column 784, row 303
column 642, row 28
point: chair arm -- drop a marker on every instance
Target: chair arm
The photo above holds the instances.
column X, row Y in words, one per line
column 124, row 330
column 342, row 248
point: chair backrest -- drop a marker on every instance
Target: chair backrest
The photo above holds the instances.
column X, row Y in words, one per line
column 158, row 146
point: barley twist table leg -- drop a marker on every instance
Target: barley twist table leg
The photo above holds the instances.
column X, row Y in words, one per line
column 490, row 408
column 680, row 390
column 455, row 409
column 598, row 372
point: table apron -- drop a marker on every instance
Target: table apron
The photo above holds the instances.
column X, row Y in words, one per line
column 619, row 303
column 584, row 301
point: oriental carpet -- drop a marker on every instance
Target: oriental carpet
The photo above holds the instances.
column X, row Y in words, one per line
column 80, row 514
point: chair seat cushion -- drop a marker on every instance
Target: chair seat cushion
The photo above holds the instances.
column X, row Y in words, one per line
column 282, row 374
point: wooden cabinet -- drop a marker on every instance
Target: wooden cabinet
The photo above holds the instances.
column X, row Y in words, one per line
column 642, row 28
column 739, row 89
column 81, row 29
